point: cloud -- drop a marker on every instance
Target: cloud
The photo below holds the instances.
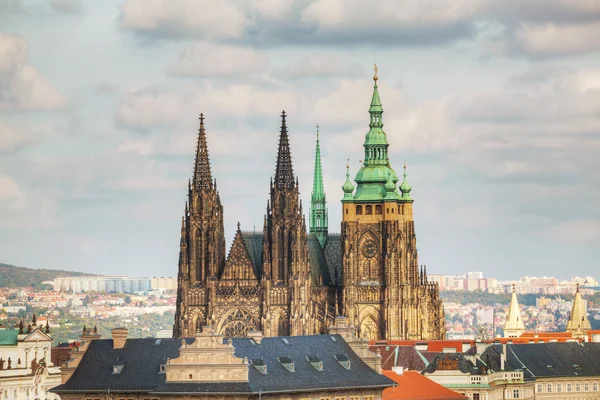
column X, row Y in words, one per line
column 205, row 59
column 22, row 88
column 66, row 6
column 579, row 231
column 12, row 138
column 551, row 40
column 22, row 209
column 409, row 22
column 208, row 19
column 318, row 66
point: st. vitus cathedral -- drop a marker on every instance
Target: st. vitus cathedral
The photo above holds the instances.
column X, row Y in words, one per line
column 287, row 281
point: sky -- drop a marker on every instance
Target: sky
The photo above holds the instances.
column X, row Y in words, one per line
column 494, row 105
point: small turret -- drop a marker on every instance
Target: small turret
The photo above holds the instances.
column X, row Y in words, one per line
column 405, row 187
column 348, row 187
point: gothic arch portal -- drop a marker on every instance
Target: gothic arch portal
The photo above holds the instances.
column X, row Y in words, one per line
column 369, row 324
column 236, row 323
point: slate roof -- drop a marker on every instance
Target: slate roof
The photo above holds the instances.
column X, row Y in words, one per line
column 324, row 261
column 543, row 360
column 142, row 358
column 254, row 242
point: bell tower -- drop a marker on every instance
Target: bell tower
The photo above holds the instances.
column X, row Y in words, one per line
column 202, row 245
column 286, row 273
column 384, row 294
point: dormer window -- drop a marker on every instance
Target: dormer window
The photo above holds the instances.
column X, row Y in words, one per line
column 287, row 363
column 343, row 360
column 162, row 369
column 116, row 370
column 260, row 365
column 315, row 362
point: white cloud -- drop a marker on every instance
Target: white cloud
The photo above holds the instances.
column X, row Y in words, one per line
column 141, row 147
column 66, row 6
column 207, row 59
column 550, row 39
column 12, row 138
column 579, row 231
column 207, row 19
column 23, row 89
column 318, row 66
column 22, row 209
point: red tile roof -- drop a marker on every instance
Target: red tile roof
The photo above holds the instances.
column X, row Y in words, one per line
column 414, row 386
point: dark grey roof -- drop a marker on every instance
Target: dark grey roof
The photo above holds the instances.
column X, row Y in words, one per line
column 317, row 261
column 333, row 256
column 254, row 244
column 541, row 360
column 141, row 360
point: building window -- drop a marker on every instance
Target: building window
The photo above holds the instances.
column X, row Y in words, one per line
column 540, row 388
column 369, row 210
column 516, row 394
column 354, row 398
column 358, row 210
column 378, row 209
column 595, row 386
column 476, row 396
column 559, row 388
column 190, row 376
column 392, row 210
column 586, row 387
column 569, row 387
column 340, row 398
column 578, row 387
column 549, row 388
column 368, row 398
column 346, row 211
column 387, row 210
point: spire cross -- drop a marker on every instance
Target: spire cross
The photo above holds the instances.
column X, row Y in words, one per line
column 283, row 115
column 201, row 118
column 317, row 130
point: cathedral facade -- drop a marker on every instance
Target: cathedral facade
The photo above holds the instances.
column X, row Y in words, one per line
column 290, row 280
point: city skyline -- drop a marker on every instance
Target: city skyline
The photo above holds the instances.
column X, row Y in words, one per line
column 495, row 114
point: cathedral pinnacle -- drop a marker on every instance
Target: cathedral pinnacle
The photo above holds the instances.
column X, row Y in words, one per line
column 284, row 173
column 202, row 175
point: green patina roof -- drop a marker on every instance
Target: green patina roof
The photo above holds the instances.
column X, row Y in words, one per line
column 318, row 205
column 8, row 337
column 376, row 176
column 405, row 188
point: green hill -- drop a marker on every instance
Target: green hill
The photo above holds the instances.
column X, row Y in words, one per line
column 12, row 276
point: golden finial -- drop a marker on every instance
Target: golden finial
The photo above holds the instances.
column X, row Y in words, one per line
column 405, row 163
column 348, row 163
column 375, row 76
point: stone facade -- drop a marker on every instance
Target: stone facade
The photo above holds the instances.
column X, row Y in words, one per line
column 285, row 281
column 26, row 370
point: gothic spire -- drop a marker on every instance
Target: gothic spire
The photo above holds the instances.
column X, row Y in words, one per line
column 284, row 173
column 318, row 193
column 318, row 205
column 514, row 324
column 578, row 320
column 202, row 175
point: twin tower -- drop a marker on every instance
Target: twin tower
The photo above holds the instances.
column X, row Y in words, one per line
column 288, row 281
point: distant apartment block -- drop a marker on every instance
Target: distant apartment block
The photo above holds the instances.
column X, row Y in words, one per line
column 113, row 284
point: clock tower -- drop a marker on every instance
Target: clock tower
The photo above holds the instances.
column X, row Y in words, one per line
column 384, row 293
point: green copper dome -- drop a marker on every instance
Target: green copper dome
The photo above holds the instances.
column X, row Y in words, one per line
column 376, row 171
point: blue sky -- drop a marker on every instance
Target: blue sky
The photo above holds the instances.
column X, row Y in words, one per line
column 495, row 106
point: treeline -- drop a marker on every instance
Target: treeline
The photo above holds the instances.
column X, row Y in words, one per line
column 12, row 276
column 489, row 299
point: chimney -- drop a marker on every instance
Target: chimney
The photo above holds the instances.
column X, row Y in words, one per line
column 503, row 357
column 256, row 335
column 119, row 336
